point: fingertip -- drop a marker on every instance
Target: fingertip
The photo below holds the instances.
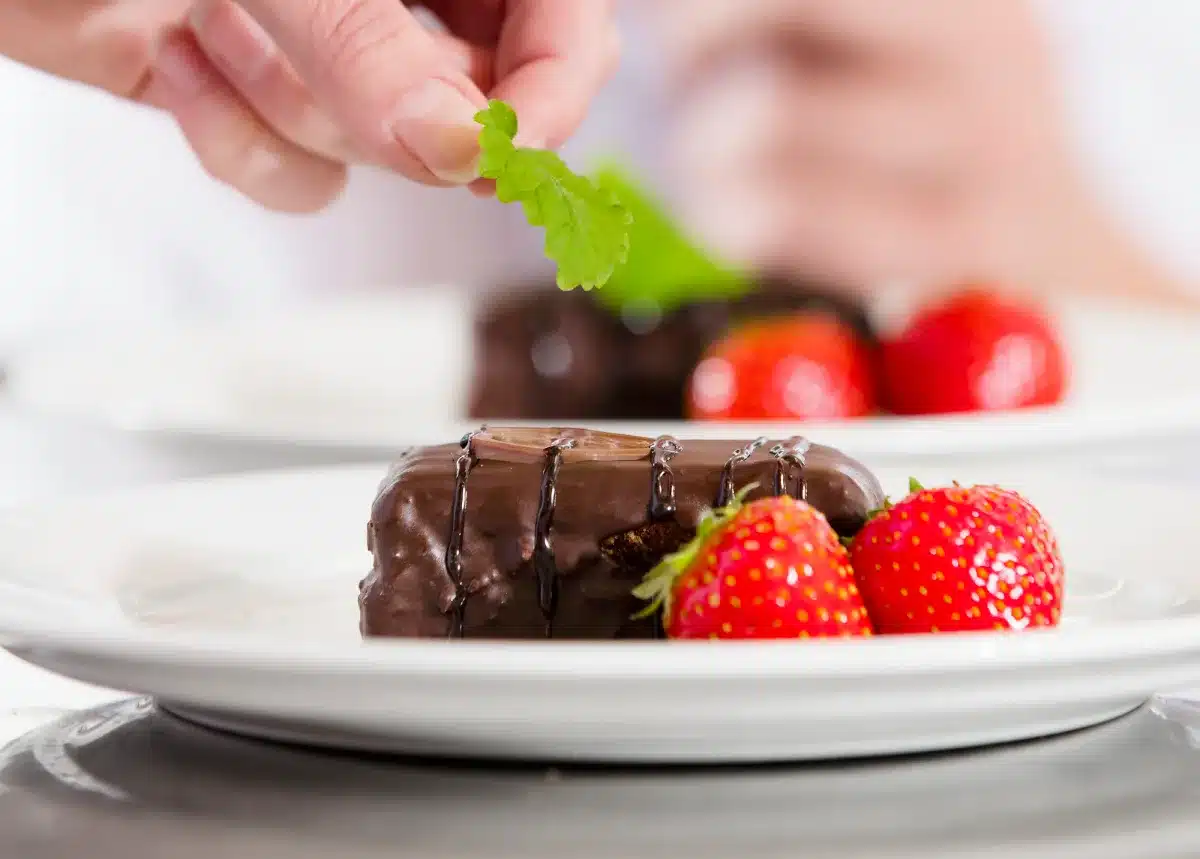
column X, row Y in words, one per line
column 549, row 109
column 483, row 188
column 552, row 60
column 435, row 123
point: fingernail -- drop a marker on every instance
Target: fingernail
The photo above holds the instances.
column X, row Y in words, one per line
column 179, row 72
column 232, row 38
column 437, row 123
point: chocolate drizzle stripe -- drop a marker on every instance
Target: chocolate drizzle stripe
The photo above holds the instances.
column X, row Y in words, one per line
column 662, row 481
column 791, row 455
column 725, row 489
column 463, row 466
column 662, row 493
column 545, row 566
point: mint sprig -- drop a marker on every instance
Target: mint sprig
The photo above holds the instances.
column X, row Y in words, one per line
column 587, row 227
column 665, row 268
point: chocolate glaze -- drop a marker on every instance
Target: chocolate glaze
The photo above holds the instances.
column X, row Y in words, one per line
column 726, row 489
column 463, row 464
column 560, row 525
column 662, row 482
column 544, row 565
column 790, row 457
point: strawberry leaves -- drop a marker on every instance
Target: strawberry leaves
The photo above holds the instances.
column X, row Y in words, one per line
column 657, row 585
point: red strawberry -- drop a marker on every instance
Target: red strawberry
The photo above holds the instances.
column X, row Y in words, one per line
column 773, row 568
column 957, row 559
column 976, row 352
column 809, row 367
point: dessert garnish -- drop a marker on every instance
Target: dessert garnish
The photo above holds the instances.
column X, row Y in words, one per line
column 665, row 269
column 587, row 227
column 773, row 568
column 959, row 559
column 955, row 559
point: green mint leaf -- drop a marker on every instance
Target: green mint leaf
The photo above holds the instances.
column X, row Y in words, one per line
column 665, row 269
column 587, row 227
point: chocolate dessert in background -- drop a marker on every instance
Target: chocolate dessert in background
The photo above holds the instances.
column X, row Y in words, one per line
column 544, row 532
column 544, row 354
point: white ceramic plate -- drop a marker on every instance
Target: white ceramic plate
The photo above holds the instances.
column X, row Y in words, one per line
column 364, row 373
column 233, row 600
column 335, row 371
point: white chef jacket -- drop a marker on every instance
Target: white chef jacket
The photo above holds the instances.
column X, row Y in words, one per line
column 108, row 220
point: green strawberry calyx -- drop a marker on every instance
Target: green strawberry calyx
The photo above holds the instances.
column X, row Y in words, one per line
column 658, row 584
column 914, row 486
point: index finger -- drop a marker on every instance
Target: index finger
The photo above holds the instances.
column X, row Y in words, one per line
column 551, row 61
column 386, row 78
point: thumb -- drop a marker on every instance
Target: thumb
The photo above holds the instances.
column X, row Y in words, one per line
column 397, row 91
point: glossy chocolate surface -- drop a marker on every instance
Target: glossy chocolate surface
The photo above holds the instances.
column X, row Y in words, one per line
column 536, row 533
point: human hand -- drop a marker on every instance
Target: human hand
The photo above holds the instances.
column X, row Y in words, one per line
column 277, row 97
column 864, row 143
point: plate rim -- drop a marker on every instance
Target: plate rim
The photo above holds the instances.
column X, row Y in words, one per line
column 1122, row 641
column 962, row 652
column 1032, row 431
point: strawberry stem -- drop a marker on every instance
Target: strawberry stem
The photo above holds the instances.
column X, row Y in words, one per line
column 871, row 514
column 656, row 587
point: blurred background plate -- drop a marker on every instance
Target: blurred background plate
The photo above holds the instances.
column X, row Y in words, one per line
column 367, row 373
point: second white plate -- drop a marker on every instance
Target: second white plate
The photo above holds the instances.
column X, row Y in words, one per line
column 366, row 373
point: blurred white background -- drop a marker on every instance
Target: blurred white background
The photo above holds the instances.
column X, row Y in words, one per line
column 1132, row 80
column 108, row 219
